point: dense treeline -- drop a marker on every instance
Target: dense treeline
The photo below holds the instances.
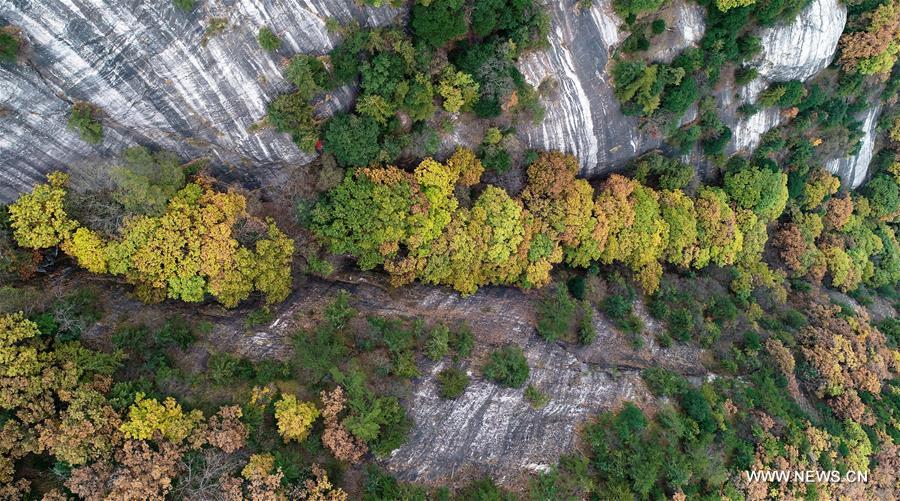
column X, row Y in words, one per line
column 176, row 240
column 414, row 226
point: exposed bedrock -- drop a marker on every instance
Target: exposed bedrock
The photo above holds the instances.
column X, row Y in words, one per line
column 158, row 79
column 854, row 169
column 792, row 51
column 489, row 430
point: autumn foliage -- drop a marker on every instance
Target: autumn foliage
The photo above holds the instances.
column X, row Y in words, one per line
column 413, row 225
column 187, row 252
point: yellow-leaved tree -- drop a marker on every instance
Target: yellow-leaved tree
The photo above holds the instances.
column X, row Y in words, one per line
column 294, row 418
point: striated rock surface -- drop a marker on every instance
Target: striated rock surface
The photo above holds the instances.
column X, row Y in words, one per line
column 804, row 47
column 159, row 78
column 794, row 51
column 853, row 170
column 490, row 429
column 162, row 80
column 583, row 115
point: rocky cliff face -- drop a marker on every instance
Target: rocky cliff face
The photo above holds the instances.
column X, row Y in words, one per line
column 854, row 169
column 795, row 51
column 583, row 116
column 161, row 80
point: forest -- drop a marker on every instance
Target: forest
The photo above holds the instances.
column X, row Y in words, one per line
column 126, row 306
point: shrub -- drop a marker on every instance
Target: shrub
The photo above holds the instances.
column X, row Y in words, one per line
column 663, row 382
column 185, row 5
column 586, row 331
column 83, row 121
column 225, row 369
column 508, row 367
column 617, row 307
column 723, row 309
column 536, row 397
column 555, row 314
column 462, row 341
column 453, row 382
column 9, row 46
column 438, row 342
column 681, row 324
column 626, row 8
column 658, row 26
column 268, row 40
column 176, row 331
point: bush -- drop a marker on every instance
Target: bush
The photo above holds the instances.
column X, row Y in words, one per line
column 9, row 46
column 508, row 367
column 83, row 121
column 658, row 26
column 225, row 369
column 555, row 314
column 536, row 397
column 586, row 331
column 268, row 40
column 185, row 5
column 453, row 383
column 462, row 341
column 438, row 342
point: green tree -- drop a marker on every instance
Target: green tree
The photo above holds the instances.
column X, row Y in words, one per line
column 185, row 5
column 146, row 181
column 764, row 191
column 556, row 314
column 665, row 173
column 459, row 90
column 439, row 22
column 308, row 74
column 353, row 140
column 291, row 113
